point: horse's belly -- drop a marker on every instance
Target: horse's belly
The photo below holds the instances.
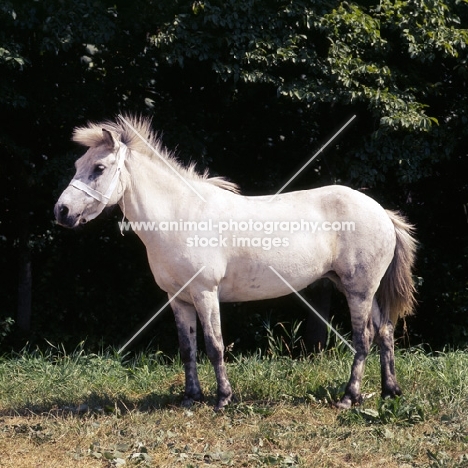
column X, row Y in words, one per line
column 257, row 282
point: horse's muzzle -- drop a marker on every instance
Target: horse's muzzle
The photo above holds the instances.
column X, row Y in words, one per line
column 63, row 216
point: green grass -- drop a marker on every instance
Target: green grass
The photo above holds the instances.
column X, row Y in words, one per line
column 81, row 409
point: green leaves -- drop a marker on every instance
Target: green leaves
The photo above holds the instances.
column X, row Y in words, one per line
column 397, row 411
column 312, row 54
column 256, row 36
column 428, row 28
column 118, row 454
column 11, row 57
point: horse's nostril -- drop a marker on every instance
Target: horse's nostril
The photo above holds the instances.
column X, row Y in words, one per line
column 63, row 210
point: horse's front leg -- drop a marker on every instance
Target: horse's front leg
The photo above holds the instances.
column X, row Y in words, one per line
column 207, row 305
column 186, row 321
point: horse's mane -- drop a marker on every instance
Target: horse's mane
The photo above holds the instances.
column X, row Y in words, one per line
column 141, row 138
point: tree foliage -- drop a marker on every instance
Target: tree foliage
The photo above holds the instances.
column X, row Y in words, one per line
column 250, row 89
column 390, row 61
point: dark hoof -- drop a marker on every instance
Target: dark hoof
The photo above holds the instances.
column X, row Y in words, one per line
column 224, row 401
column 348, row 402
column 391, row 392
column 188, row 401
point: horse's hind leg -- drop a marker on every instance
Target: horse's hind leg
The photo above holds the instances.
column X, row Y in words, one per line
column 207, row 306
column 384, row 338
column 360, row 307
column 186, row 321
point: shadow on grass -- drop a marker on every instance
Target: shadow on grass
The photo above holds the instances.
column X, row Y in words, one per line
column 98, row 404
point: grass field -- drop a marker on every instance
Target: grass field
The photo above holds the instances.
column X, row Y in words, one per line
column 88, row 410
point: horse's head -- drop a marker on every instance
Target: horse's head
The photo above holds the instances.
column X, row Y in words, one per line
column 98, row 173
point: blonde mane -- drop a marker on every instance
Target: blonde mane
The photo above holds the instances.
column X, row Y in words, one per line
column 144, row 141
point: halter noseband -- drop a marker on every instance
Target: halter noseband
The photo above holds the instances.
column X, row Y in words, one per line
column 103, row 197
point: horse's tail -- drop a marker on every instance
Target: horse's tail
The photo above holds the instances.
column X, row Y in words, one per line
column 396, row 294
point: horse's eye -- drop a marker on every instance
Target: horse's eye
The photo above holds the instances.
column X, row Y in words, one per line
column 99, row 169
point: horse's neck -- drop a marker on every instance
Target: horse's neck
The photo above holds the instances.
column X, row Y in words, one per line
column 152, row 191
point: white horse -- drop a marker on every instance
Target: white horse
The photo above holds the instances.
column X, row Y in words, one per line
column 238, row 248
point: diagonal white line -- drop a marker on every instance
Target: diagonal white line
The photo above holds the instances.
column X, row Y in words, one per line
column 312, row 309
column 143, row 139
column 312, row 158
column 161, row 309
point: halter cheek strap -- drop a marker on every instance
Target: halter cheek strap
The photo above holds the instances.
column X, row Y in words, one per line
column 104, row 197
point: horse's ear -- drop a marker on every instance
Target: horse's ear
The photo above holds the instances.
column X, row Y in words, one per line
column 110, row 139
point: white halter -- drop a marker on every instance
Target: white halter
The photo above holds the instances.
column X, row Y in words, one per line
column 104, row 197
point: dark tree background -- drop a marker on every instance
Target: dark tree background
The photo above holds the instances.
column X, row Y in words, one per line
column 250, row 89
